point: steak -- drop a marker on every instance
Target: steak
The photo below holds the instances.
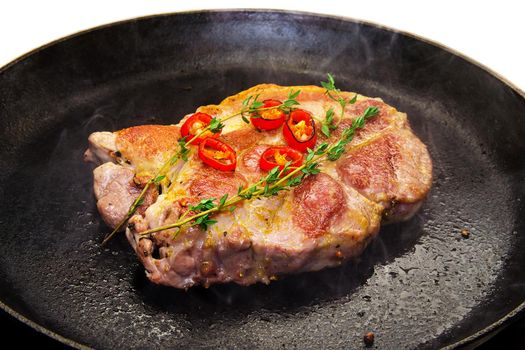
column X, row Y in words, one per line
column 384, row 175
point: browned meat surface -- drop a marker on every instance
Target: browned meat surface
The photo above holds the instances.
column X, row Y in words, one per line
column 390, row 169
column 385, row 175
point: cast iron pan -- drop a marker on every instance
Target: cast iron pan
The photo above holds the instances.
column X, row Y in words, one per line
column 419, row 285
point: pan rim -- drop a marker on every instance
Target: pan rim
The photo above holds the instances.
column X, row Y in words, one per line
column 481, row 335
column 435, row 43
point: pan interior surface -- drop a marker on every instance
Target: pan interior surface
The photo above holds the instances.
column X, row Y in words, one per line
column 420, row 284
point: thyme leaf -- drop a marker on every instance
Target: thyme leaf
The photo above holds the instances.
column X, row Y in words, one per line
column 246, row 101
column 216, row 125
column 293, row 94
column 256, row 105
column 138, row 202
column 311, row 168
column 272, row 191
column 273, row 175
column 321, row 148
column 330, row 84
column 183, row 152
column 248, row 193
column 291, row 101
column 251, row 104
column 294, row 181
column 158, row 179
column 204, row 221
column 203, row 205
column 222, row 202
column 328, row 123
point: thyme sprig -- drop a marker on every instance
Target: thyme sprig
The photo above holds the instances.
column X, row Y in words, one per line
column 272, row 183
column 250, row 105
column 328, row 124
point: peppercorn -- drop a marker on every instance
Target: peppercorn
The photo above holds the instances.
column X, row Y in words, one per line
column 369, row 339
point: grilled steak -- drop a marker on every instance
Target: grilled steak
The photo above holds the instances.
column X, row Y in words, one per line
column 330, row 217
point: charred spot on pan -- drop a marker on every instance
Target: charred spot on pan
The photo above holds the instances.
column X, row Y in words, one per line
column 393, row 274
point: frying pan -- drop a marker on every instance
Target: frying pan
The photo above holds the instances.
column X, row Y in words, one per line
column 420, row 284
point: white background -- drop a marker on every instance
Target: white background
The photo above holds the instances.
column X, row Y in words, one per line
column 490, row 32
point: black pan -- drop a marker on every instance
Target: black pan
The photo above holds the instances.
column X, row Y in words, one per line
column 419, row 285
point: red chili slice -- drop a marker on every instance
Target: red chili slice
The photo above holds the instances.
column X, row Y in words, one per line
column 269, row 119
column 299, row 130
column 217, row 154
column 279, row 156
column 194, row 125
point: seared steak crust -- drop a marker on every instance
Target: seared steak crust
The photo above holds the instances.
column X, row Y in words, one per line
column 385, row 174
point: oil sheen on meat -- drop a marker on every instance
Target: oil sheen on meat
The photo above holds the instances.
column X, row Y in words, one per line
column 384, row 176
